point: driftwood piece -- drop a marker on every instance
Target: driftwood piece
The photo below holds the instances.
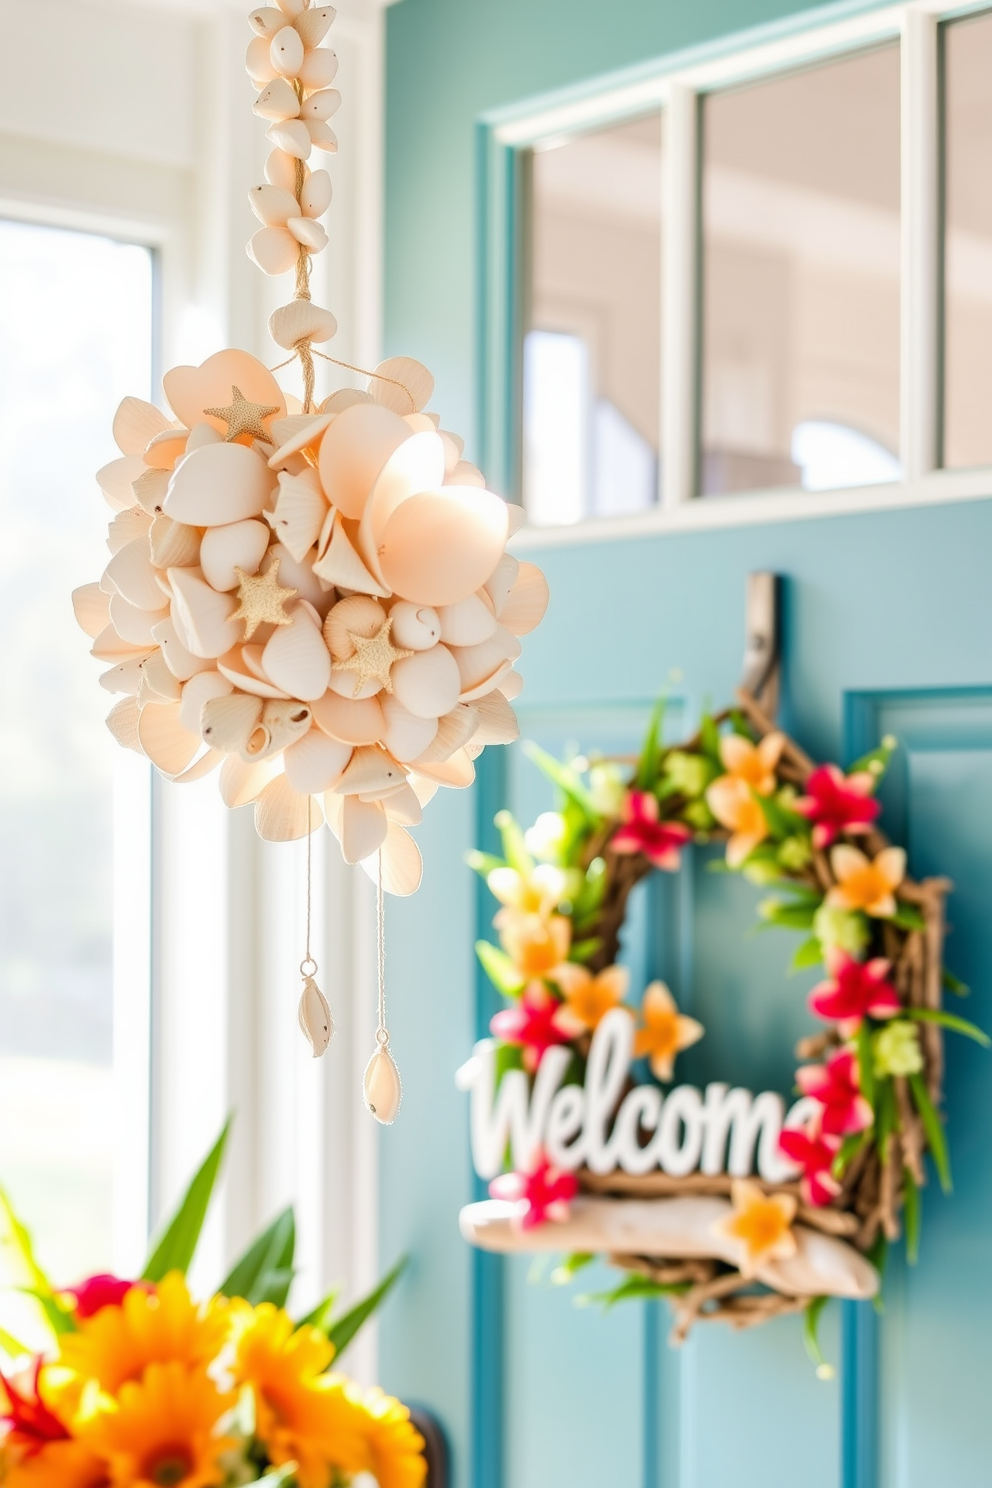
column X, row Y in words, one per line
column 653, row 1185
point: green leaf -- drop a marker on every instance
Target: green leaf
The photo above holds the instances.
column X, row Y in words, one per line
column 18, row 1238
column 952, row 1021
column 271, row 1252
column 954, row 984
column 500, row 969
column 320, row 1316
column 787, row 916
column 588, row 901
column 810, row 953
column 866, row 1063
column 570, row 1266
column 709, row 738
column 633, row 1288
column 515, row 849
column 934, row 1129
column 780, row 821
column 886, row 1114
column 647, row 765
column 566, row 779
column 273, row 1286
column 911, row 1206
column 582, row 950
column 484, row 863
column 907, row 917
column 59, row 1318
column 343, row 1331
column 175, row 1248
column 876, row 761
column 12, row 1347
column 811, row 1338
column 276, row 1477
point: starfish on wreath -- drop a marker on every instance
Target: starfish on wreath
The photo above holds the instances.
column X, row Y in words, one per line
column 243, row 418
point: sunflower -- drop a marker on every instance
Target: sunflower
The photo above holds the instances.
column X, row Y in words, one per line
column 395, row 1445
column 302, row 1414
column 161, row 1433
column 149, row 1327
column 60, row 1464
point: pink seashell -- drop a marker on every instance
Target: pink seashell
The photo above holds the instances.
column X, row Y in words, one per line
column 136, row 423
column 204, row 615
column 191, row 390
column 217, row 485
column 238, row 545
column 283, row 814
column 353, row 721
column 527, row 601
column 296, row 658
column 427, row 684
column 316, row 762
column 167, row 744
column 438, row 547
column 354, row 450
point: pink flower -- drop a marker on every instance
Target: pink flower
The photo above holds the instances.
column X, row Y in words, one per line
column 837, row 803
column 534, row 1023
column 542, row 1193
column 642, row 832
column 854, row 990
column 102, row 1290
column 815, row 1154
column 835, row 1086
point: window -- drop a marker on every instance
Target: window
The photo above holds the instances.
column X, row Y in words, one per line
column 75, row 336
column 592, row 359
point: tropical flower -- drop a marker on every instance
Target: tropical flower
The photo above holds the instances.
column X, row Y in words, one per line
column 841, row 929
column 538, row 946
column 535, row 1024
column 733, row 804
column 835, row 803
column 161, row 1433
column 835, row 1085
column 866, row 883
column 665, row 1031
column 102, row 1290
column 815, row 1154
column 302, row 1414
column 30, row 1420
column 689, row 774
column 538, row 892
column 542, row 1193
column 854, row 990
column 395, row 1446
column 643, row 832
column 752, row 764
column 896, row 1049
column 760, row 1225
column 607, row 789
column 588, row 997
column 546, row 838
column 148, row 1327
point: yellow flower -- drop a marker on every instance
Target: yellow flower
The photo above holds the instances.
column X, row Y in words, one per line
column 866, row 884
column 537, row 946
column 666, row 1031
column 733, row 805
column 395, row 1446
column 302, row 1414
column 60, row 1464
column 753, row 764
column 535, row 893
column 760, row 1224
column 589, row 998
column 161, row 1433
column 149, row 1327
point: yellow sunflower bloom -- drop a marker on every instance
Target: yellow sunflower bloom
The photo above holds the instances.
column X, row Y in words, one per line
column 161, row 1433
column 60, row 1464
column 302, row 1415
column 395, row 1446
column 149, row 1327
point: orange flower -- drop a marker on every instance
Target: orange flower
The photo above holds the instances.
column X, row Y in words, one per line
column 537, row 946
column 863, row 883
column 753, row 764
column 588, row 998
column 62, row 1464
column 161, row 1433
column 395, row 1446
column 732, row 803
column 760, row 1225
column 666, row 1031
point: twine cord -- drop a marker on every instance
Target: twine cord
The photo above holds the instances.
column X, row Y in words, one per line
column 308, row 958
column 381, row 1032
column 362, row 371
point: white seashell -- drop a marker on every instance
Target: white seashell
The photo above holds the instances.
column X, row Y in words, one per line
column 218, row 484
column 266, row 21
column 258, row 61
column 299, row 512
column 321, row 105
column 178, row 657
column 157, row 680
column 465, row 474
column 415, row 385
column 476, row 664
column 315, row 1017
column 293, row 9
column 272, row 206
column 241, row 783
column 273, row 249
column 132, row 624
column 91, row 607
column 370, row 773
column 362, row 826
column 201, row 767
column 527, row 601
column 296, row 658
column 122, row 721
column 235, row 667
column 315, row 198
column 149, row 490
column 301, row 577
column 280, row 170
column 301, row 321
column 173, row 544
column 298, row 431
column 342, row 567
column 204, row 616
column 239, row 545
column 319, row 68
column 125, row 677
column 201, row 434
column 402, row 806
column 511, row 685
column 427, row 684
column 352, row 720
column 382, row 1087
column 416, row 465
column 467, row 623
column 415, row 627
column 454, row 444
column 457, row 773
column 354, row 451
column 314, row 24
column 502, row 580
column 322, row 136
column 227, row 720
column 136, row 423
column 316, row 762
column 126, row 527
column 287, row 52
column 292, row 136
column 197, row 691
column 276, row 102
column 116, row 479
column 283, row 815
column 404, row 734
column 402, row 865
column 438, row 547
column 497, row 720
column 454, row 731
column 358, row 614
column 308, row 232
column 282, row 721
column 167, row 744
column 425, row 790
column 342, row 399
column 131, row 573
column 165, row 449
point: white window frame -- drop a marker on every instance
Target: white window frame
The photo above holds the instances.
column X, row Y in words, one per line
column 676, row 86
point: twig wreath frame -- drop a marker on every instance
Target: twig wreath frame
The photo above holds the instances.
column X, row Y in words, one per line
column 871, row 1080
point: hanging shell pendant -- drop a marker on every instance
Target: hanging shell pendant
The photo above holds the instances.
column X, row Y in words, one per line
column 315, row 1017
column 383, row 1089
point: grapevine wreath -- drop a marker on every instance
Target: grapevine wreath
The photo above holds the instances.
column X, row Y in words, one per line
column 731, row 1206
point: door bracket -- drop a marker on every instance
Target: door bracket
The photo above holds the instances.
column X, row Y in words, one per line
column 760, row 676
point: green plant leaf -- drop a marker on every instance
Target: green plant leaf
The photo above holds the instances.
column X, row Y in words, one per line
column 955, row 984
column 886, row 1113
column 343, row 1331
column 810, row 953
column 876, row 761
column 59, row 1318
column 907, row 917
column 647, row 764
column 570, row 1266
column 849, row 1149
column 17, row 1237
column 483, row 863
column 582, row 950
column 499, row 968
column 633, row 1288
column 321, row 1315
column 911, row 1208
column 272, row 1252
column 780, row 821
column 952, row 1021
column 811, row 1338
column 566, row 779
column 12, row 1347
column 788, row 916
column 866, row 1063
column 709, row 738
column 175, row 1248
column 273, row 1286
column 277, row 1477
column 934, row 1129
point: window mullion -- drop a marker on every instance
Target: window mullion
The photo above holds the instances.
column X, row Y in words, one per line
column 680, row 257
column 920, row 227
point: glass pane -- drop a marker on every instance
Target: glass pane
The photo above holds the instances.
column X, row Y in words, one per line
column 801, row 279
column 591, row 373
column 75, row 336
column 968, row 242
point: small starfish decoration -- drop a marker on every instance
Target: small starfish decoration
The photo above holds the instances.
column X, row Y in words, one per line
column 262, row 600
column 373, row 658
column 242, row 417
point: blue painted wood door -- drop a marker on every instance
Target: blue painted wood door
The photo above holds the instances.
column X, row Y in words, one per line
column 887, row 629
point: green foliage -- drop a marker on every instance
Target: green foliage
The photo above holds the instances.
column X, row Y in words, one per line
column 265, row 1271
column 794, row 916
column 16, row 1238
column 934, row 1129
column 647, row 764
column 849, row 1149
column 570, row 1266
column 341, row 1332
column 12, row 1347
column 810, row 953
column 514, row 847
column 699, row 816
column 952, row 1021
column 175, row 1248
column 584, row 950
column 568, row 781
column 709, row 740
column 911, row 1210
column 876, row 761
column 484, row 863
column 634, row 1288
column 589, row 898
column 866, row 1064
column 886, row 1114
column 499, row 968
column 811, row 1337
column 782, row 822
column 907, row 917
column 58, row 1318
column 954, row 984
